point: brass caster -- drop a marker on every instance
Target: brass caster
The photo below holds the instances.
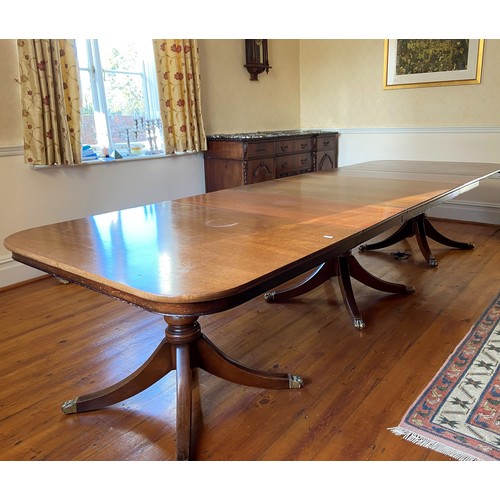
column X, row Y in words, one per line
column 295, row 382
column 69, row 406
column 359, row 323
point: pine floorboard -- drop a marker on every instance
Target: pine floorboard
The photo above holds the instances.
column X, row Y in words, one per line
column 58, row 341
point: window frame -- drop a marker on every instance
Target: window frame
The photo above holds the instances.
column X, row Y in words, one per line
column 97, row 77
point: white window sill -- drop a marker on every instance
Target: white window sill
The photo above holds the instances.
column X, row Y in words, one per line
column 110, row 159
column 104, row 161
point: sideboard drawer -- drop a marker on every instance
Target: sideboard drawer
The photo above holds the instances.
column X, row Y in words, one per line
column 260, row 149
column 284, row 147
column 302, row 145
column 326, row 142
column 293, row 146
column 298, row 163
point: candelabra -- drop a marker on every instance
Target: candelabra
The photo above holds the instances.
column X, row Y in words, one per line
column 150, row 127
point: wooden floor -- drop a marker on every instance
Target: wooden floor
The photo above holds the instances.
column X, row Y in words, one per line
column 59, row 341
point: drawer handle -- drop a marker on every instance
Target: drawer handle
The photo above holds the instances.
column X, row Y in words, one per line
column 325, row 143
column 284, row 165
column 304, row 161
column 303, row 146
column 284, row 148
column 261, row 149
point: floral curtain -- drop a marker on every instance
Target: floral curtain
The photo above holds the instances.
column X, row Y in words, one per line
column 178, row 73
column 50, row 95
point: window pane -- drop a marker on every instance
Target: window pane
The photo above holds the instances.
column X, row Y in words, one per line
column 89, row 135
column 125, row 55
column 125, row 100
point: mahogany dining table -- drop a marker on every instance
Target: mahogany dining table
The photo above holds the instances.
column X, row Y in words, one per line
column 208, row 253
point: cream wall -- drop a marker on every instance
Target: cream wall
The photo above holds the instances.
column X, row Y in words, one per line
column 341, row 87
column 233, row 103
column 10, row 117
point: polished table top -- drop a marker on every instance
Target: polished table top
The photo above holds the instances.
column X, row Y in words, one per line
column 207, row 253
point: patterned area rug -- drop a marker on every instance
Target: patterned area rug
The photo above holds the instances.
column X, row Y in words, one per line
column 458, row 414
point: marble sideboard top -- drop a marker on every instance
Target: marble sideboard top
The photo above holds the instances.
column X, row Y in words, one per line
column 272, row 134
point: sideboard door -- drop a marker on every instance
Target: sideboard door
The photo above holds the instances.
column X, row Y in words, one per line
column 261, row 170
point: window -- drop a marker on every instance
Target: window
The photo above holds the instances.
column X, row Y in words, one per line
column 120, row 108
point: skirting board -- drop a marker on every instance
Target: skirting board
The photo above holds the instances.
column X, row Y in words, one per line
column 12, row 272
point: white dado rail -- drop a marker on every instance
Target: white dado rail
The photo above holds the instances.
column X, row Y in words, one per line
column 11, row 150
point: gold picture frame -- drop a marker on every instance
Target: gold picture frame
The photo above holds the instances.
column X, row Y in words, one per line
column 432, row 63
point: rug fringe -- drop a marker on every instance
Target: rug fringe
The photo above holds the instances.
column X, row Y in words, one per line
column 431, row 444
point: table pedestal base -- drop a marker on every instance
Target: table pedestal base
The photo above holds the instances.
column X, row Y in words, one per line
column 183, row 348
column 344, row 266
column 420, row 227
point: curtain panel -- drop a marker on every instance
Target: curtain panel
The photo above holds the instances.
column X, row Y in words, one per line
column 50, row 95
column 178, row 73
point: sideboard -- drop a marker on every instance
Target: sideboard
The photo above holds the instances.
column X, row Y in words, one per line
column 233, row 160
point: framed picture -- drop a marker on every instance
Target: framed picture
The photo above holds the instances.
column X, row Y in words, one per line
column 430, row 63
